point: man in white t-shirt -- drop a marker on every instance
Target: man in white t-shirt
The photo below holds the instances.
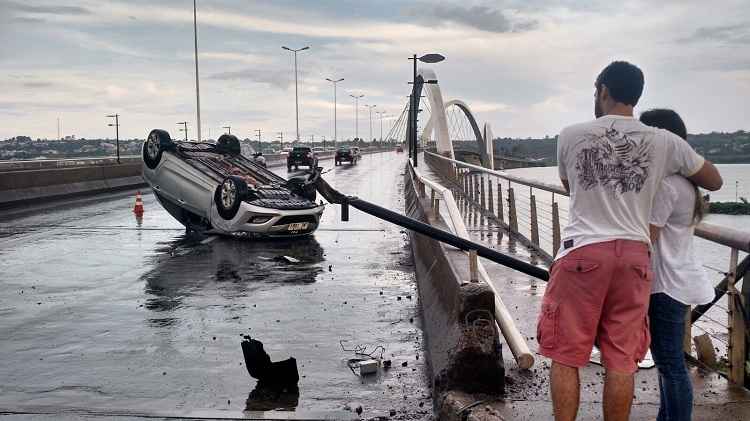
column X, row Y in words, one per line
column 601, row 280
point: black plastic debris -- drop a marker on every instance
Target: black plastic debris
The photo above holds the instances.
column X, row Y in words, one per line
column 279, row 375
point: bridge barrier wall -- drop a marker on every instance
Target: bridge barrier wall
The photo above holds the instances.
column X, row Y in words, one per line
column 27, row 182
column 463, row 343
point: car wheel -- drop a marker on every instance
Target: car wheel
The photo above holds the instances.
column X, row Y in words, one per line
column 229, row 195
column 156, row 143
column 229, row 144
column 288, row 168
column 296, row 167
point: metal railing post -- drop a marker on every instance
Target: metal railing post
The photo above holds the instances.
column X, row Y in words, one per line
column 512, row 218
column 736, row 348
column 432, row 199
column 490, row 198
column 555, row 227
column 534, row 222
column 500, row 202
column 477, row 196
column 482, row 195
column 688, row 336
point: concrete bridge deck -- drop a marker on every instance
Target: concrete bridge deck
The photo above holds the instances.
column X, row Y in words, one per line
column 527, row 391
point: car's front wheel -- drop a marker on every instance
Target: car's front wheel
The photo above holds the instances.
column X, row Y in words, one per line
column 229, row 195
column 156, row 143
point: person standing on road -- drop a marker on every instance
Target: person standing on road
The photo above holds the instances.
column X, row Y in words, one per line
column 600, row 282
column 679, row 280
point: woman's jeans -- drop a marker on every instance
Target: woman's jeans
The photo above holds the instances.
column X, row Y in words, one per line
column 667, row 318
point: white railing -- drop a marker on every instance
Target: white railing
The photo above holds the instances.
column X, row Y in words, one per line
column 531, row 211
column 516, row 342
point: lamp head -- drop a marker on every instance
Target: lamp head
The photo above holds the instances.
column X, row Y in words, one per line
column 431, row 58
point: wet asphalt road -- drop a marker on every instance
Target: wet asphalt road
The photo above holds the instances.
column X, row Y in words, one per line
column 102, row 314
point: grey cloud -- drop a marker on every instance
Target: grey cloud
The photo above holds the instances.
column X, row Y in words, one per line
column 726, row 34
column 480, row 17
column 269, row 77
column 50, row 10
column 36, row 85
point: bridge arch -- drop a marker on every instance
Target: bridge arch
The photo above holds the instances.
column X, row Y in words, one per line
column 437, row 123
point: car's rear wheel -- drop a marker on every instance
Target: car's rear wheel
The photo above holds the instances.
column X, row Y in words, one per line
column 156, row 143
column 229, row 195
column 229, row 144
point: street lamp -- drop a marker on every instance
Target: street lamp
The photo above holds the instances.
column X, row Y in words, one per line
column 356, row 114
column 260, row 149
column 381, row 114
column 370, row 107
column 117, row 132
column 334, row 109
column 184, row 129
column 197, row 85
column 296, row 100
column 416, row 93
column 229, row 129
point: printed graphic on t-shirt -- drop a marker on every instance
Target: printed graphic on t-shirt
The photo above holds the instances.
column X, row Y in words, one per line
column 615, row 161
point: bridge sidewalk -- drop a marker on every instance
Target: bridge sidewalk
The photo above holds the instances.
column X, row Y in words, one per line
column 527, row 391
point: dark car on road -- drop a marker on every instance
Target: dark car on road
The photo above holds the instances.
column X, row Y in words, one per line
column 350, row 155
column 301, row 156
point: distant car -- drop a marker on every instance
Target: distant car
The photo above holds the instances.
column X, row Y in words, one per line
column 212, row 188
column 301, row 156
column 285, row 151
column 399, row 149
column 344, row 154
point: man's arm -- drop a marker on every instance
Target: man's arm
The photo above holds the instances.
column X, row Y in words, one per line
column 707, row 177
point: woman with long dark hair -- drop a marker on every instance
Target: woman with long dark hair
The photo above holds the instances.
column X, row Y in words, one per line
column 679, row 281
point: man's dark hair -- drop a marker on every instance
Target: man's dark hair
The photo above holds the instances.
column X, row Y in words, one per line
column 623, row 80
column 665, row 119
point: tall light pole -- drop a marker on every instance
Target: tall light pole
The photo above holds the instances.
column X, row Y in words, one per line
column 259, row 144
column 381, row 114
column 296, row 100
column 281, row 139
column 184, row 129
column 415, row 96
column 356, row 114
column 370, row 107
column 229, row 129
column 197, row 84
column 117, row 132
column 335, row 134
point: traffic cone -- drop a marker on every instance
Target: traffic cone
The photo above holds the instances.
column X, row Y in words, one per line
column 138, row 208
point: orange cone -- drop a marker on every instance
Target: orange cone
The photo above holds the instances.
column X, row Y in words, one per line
column 138, row 208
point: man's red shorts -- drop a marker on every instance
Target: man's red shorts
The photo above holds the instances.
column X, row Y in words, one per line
column 599, row 292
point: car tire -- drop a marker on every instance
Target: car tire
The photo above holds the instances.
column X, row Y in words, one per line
column 156, row 143
column 229, row 195
column 229, row 144
column 288, row 168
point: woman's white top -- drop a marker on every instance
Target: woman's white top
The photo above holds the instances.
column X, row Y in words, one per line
column 677, row 271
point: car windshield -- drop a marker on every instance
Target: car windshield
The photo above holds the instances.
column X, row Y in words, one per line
column 301, row 149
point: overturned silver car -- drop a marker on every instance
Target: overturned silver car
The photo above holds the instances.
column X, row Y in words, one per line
column 212, row 188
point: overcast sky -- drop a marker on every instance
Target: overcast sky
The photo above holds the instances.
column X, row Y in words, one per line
column 525, row 66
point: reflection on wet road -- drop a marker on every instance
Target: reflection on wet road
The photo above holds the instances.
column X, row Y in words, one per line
column 100, row 312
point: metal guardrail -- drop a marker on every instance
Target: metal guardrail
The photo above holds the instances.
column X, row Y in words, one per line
column 43, row 164
column 523, row 215
column 516, row 342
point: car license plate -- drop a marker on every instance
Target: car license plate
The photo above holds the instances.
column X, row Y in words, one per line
column 297, row 226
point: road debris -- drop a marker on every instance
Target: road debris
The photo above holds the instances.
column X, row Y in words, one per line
column 279, row 375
